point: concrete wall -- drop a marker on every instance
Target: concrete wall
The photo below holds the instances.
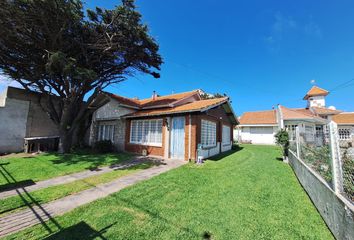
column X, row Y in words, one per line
column 13, row 119
column 38, row 122
column 336, row 211
column 22, row 116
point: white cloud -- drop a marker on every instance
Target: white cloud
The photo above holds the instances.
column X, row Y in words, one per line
column 281, row 26
column 286, row 27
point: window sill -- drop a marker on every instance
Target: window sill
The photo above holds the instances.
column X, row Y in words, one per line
column 146, row 144
column 208, row 147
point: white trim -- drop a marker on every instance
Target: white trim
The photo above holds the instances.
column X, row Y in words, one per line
column 147, row 144
column 257, row 125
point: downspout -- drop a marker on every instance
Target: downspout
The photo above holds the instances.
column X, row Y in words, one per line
column 189, row 137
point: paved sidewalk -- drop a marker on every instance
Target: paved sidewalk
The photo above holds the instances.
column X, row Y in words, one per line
column 42, row 213
column 71, row 177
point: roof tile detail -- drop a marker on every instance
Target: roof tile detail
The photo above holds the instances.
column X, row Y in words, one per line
column 189, row 107
column 325, row 111
column 344, row 118
column 258, row 118
column 316, row 91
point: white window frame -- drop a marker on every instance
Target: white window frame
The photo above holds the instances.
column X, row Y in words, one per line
column 208, row 134
column 101, row 132
column 146, row 132
column 291, row 129
column 226, row 135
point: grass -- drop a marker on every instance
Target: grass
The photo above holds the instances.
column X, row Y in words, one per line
column 246, row 195
column 16, row 203
column 48, row 165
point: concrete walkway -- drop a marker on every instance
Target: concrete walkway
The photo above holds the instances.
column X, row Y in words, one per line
column 71, row 177
column 42, row 213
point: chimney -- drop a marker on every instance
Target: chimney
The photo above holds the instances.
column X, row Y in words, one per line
column 154, row 95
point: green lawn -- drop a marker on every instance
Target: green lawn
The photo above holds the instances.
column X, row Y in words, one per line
column 49, row 165
column 16, row 203
column 246, row 195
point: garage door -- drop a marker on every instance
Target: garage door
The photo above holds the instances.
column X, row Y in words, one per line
column 262, row 135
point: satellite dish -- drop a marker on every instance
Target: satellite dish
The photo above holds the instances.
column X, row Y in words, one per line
column 332, row 107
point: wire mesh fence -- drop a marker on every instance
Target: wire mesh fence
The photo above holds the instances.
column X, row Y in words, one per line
column 328, row 152
column 347, row 166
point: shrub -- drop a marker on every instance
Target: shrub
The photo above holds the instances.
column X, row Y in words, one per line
column 282, row 139
column 104, row 146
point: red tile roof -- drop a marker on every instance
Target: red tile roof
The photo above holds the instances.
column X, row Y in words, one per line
column 325, row 111
column 159, row 101
column 298, row 113
column 125, row 101
column 316, row 91
column 344, row 118
column 165, row 100
column 189, row 107
column 258, row 118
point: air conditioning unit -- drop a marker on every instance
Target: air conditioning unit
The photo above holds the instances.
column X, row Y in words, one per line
column 144, row 152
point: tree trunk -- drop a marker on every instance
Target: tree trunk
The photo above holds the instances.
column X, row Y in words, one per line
column 65, row 141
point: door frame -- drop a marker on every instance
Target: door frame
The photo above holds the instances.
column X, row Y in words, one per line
column 171, row 137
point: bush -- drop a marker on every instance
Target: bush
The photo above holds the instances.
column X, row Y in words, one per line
column 282, row 139
column 104, row 146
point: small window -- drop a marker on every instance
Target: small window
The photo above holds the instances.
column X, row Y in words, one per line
column 344, row 133
column 225, row 135
column 105, row 132
column 208, row 133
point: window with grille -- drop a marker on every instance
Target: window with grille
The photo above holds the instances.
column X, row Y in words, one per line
column 105, row 132
column 292, row 131
column 225, row 134
column 146, row 132
column 208, row 133
column 344, row 133
column 309, row 133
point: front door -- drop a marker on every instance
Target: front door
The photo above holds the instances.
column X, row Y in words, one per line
column 177, row 138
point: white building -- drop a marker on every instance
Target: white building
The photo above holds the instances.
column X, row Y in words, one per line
column 261, row 126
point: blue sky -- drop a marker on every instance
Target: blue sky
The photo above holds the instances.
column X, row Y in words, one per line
column 260, row 53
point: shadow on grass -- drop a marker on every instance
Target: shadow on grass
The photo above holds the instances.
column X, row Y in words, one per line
column 80, row 230
column 38, row 211
column 225, row 154
column 94, row 159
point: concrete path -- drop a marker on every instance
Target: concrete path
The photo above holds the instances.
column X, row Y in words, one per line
column 71, row 177
column 42, row 213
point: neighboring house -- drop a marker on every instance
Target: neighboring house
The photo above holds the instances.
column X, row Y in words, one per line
column 22, row 117
column 177, row 126
column 260, row 127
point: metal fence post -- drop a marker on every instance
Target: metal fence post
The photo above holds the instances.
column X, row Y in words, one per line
column 297, row 140
column 337, row 177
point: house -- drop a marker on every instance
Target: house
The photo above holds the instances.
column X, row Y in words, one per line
column 22, row 117
column 260, row 127
column 176, row 126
